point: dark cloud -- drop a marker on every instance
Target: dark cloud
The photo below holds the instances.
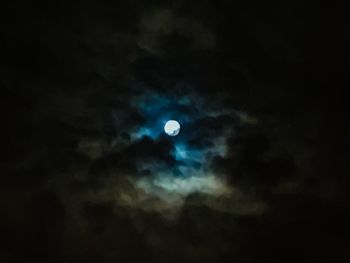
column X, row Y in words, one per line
column 258, row 172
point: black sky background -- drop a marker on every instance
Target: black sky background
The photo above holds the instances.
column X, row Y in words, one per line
column 69, row 74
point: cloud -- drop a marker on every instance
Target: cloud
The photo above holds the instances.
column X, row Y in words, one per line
column 161, row 25
column 257, row 172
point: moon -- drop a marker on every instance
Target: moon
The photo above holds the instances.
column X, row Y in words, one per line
column 172, row 128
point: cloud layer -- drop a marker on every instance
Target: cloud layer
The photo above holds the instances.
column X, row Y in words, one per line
column 258, row 172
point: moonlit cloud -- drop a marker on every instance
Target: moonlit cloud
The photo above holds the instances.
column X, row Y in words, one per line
column 258, row 172
column 205, row 130
column 184, row 185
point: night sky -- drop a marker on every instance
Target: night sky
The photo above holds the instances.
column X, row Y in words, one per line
column 258, row 173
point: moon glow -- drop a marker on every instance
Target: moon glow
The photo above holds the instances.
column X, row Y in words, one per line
column 172, row 128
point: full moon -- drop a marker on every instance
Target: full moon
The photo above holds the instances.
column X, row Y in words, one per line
column 172, row 128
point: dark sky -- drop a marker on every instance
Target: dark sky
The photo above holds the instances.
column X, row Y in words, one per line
column 258, row 173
